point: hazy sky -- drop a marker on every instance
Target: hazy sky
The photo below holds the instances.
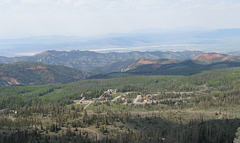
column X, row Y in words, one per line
column 94, row 17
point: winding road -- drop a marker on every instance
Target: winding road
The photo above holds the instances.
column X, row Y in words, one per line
column 116, row 98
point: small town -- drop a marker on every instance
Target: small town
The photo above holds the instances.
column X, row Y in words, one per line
column 111, row 95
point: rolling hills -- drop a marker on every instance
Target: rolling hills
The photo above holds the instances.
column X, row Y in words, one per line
column 108, row 65
column 32, row 73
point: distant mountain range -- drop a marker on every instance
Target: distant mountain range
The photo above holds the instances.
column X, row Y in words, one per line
column 32, row 73
column 99, row 62
column 220, row 40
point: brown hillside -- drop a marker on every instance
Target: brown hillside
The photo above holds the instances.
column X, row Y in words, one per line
column 144, row 62
column 37, row 67
column 206, row 57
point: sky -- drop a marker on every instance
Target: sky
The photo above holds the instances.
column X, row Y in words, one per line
column 96, row 17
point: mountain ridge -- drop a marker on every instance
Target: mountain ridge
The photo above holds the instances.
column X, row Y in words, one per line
column 89, row 60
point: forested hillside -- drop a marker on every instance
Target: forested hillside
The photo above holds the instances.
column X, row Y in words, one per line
column 32, row 73
column 219, row 80
column 198, row 108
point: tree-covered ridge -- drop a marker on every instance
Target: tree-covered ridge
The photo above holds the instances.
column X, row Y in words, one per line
column 186, row 68
column 32, row 73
